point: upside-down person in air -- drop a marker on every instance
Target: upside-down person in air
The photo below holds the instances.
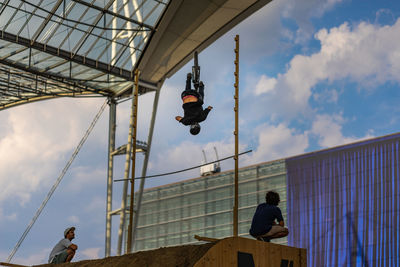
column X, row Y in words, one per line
column 193, row 106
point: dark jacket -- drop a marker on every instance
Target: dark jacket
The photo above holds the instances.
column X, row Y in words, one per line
column 193, row 112
column 264, row 218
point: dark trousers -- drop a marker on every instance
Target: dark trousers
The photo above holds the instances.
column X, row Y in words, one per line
column 200, row 90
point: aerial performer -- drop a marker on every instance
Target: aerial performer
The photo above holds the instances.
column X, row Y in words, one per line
column 193, row 101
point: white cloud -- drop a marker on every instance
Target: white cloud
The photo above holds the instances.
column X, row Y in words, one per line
column 265, row 85
column 275, row 142
column 327, row 95
column 95, row 204
column 328, row 129
column 7, row 217
column 38, row 141
column 84, row 177
column 303, row 11
column 91, row 253
column 367, row 54
column 188, row 154
column 73, row 219
column 263, row 27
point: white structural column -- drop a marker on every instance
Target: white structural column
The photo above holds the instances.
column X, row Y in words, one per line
column 122, row 211
column 111, row 148
column 126, row 181
column 144, row 169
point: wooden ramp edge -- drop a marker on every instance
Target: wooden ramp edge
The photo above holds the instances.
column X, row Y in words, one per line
column 11, row 264
column 239, row 251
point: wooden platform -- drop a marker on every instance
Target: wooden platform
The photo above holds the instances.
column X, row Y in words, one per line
column 227, row 252
column 238, row 251
column 11, row 264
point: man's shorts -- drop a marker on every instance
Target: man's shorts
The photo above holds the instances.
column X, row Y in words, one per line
column 275, row 229
column 60, row 258
column 192, row 93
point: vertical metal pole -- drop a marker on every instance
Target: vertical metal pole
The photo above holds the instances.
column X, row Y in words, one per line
column 125, row 186
column 111, row 148
column 144, row 169
column 135, row 108
column 236, row 133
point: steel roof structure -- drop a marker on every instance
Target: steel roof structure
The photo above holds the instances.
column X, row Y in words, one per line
column 58, row 48
column 92, row 48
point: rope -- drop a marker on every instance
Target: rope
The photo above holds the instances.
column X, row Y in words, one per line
column 188, row 169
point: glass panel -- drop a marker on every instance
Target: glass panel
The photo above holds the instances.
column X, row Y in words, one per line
column 249, row 187
column 207, row 203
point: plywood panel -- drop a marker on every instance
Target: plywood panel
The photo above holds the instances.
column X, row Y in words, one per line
column 225, row 253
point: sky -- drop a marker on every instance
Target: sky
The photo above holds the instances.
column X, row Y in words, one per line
column 314, row 74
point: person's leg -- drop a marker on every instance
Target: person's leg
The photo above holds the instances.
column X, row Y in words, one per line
column 276, row 231
column 201, row 90
column 71, row 254
column 283, row 233
column 188, row 86
column 188, row 82
column 60, row 258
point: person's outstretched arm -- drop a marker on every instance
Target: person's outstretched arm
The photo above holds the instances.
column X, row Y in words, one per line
column 205, row 112
column 183, row 120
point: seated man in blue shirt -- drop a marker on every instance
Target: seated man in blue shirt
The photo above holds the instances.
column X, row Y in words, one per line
column 267, row 221
column 193, row 106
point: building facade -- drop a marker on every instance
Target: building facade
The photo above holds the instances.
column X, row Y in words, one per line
column 342, row 204
column 172, row 214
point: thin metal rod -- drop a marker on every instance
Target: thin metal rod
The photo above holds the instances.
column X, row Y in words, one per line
column 60, row 177
column 144, row 168
column 236, row 133
column 187, row 169
column 135, row 109
column 111, row 148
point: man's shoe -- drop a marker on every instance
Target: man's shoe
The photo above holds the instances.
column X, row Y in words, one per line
column 264, row 238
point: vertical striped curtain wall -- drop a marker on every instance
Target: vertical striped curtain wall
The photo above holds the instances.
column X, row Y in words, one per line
column 343, row 204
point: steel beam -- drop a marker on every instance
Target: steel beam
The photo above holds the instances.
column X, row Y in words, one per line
column 91, row 63
column 106, row 11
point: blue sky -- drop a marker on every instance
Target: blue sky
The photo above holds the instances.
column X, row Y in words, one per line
column 313, row 74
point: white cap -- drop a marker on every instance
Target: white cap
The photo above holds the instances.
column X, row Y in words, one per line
column 67, row 230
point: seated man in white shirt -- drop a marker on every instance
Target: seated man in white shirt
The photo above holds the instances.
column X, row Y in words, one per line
column 64, row 250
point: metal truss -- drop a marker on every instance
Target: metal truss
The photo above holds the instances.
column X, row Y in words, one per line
column 73, row 47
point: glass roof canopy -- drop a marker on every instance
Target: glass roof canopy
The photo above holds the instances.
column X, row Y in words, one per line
column 53, row 48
